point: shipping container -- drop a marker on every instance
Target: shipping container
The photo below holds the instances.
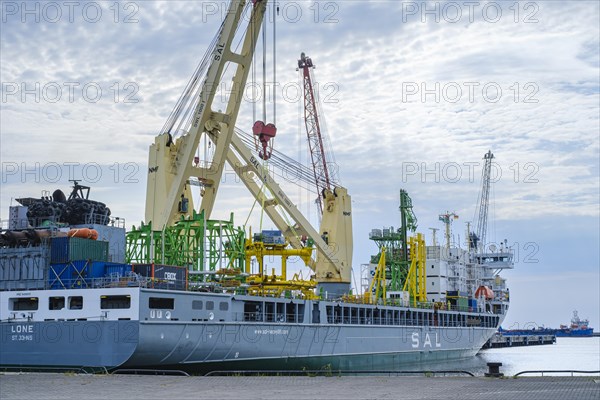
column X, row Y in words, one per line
column 114, row 235
column 462, row 303
column 65, row 249
column 273, row 240
column 116, row 269
column 84, row 273
column 271, row 233
column 163, row 276
column 473, row 305
column 70, row 275
column 270, row 237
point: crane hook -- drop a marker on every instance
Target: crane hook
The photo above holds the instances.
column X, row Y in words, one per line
column 264, row 132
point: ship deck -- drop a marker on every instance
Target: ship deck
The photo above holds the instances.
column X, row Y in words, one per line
column 55, row 386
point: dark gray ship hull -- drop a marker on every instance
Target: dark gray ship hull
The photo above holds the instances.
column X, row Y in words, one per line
column 208, row 347
column 67, row 344
column 200, row 332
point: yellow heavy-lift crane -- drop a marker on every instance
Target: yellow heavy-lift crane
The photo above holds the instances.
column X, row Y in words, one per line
column 172, row 165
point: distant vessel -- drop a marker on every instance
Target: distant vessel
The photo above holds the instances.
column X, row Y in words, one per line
column 578, row 328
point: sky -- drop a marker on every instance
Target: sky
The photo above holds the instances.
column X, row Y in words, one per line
column 413, row 94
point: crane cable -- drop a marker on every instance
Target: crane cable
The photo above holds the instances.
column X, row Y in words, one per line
column 264, row 90
column 275, row 8
column 294, row 170
column 265, row 163
column 190, row 86
column 253, row 72
column 281, row 211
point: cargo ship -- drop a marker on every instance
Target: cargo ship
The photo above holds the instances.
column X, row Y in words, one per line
column 69, row 302
column 578, row 328
column 188, row 292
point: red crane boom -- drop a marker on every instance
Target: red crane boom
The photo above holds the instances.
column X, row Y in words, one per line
column 323, row 177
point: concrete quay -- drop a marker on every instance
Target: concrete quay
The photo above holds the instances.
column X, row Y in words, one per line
column 23, row 386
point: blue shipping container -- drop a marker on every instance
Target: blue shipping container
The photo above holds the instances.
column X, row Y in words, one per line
column 69, row 275
column 271, row 233
column 83, row 273
column 274, row 240
column 59, row 250
column 112, row 269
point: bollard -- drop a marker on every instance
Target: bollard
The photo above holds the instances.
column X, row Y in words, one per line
column 494, row 370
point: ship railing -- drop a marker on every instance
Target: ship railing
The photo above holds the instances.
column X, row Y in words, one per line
column 46, row 222
column 132, row 280
column 53, row 221
column 550, row 372
column 328, row 372
column 419, row 321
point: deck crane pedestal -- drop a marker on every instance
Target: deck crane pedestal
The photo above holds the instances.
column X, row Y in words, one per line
column 171, row 162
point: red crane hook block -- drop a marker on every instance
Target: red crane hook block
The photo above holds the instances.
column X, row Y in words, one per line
column 264, row 133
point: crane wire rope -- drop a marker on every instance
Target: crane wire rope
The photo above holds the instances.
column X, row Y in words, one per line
column 182, row 113
column 494, row 213
column 190, row 86
column 292, row 170
column 275, row 7
column 264, row 90
column 275, row 12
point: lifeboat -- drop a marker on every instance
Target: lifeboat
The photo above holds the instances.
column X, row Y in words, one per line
column 484, row 291
column 84, row 233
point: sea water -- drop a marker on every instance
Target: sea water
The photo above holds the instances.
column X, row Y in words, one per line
column 581, row 354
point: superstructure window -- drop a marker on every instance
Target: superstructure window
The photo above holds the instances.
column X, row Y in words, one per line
column 253, row 311
column 24, row 304
column 56, row 303
column 196, row 304
column 115, row 302
column 75, row 303
column 223, row 306
column 164, row 303
column 210, row 305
